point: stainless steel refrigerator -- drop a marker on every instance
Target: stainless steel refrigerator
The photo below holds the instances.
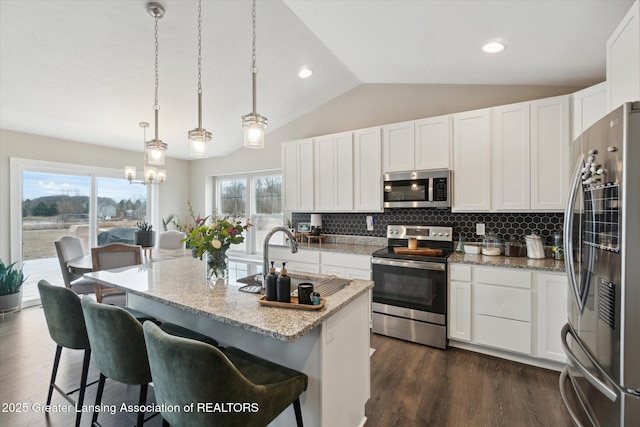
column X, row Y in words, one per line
column 602, row 256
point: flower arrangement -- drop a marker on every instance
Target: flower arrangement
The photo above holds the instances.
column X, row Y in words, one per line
column 211, row 237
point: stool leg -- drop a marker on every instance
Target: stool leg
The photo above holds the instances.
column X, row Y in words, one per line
column 83, row 384
column 141, row 402
column 298, row 411
column 54, row 372
column 165, row 423
column 94, row 419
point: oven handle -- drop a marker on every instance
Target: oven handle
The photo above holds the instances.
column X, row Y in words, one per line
column 420, row 265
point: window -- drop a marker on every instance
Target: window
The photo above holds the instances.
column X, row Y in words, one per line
column 255, row 196
column 50, row 200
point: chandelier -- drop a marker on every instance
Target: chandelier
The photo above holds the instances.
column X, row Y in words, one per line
column 154, row 150
column 199, row 138
column 253, row 123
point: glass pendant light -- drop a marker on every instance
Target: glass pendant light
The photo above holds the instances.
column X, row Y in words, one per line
column 199, row 138
column 253, row 123
column 155, row 148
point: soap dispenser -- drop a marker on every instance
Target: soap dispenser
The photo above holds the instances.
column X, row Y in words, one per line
column 284, row 285
column 271, row 284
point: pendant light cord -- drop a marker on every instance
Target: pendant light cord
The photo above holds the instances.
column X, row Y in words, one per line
column 199, row 46
column 156, row 107
column 253, row 53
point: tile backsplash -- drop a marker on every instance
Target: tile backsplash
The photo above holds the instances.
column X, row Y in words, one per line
column 464, row 224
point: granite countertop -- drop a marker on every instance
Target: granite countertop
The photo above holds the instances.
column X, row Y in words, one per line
column 546, row 264
column 181, row 283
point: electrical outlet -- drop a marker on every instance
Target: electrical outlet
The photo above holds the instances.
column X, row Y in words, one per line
column 480, row 229
column 369, row 223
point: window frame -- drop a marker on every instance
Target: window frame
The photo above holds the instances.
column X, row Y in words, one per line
column 252, row 248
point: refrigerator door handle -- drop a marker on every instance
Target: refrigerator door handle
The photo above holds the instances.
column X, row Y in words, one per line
column 595, row 381
column 567, row 230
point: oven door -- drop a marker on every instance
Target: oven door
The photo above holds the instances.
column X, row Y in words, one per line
column 410, row 289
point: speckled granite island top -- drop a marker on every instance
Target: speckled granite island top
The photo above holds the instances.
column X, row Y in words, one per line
column 181, row 283
column 546, row 264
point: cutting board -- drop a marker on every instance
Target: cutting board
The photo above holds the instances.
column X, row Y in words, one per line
column 419, row 251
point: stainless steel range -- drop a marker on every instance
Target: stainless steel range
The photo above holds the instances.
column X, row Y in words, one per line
column 410, row 276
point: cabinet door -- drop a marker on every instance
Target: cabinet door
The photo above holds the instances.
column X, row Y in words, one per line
column 587, row 107
column 343, row 172
column 397, row 147
column 623, row 60
column 305, row 165
column 459, row 317
column 472, row 161
column 290, row 177
column 367, row 173
column 552, row 315
column 325, row 173
column 549, row 153
column 510, row 159
column 433, row 143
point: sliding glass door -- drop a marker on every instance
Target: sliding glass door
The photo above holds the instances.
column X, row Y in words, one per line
column 54, row 200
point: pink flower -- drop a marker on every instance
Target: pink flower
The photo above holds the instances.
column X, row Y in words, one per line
column 232, row 231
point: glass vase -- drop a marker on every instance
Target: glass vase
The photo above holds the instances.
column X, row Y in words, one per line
column 217, row 268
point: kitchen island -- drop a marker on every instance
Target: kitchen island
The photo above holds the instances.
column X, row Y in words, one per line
column 329, row 345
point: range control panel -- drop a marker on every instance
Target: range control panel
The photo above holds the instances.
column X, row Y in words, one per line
column 420, row 232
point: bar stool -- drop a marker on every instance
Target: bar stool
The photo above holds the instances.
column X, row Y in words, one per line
column 63, row 312
column 186, row 371
column 117, row 340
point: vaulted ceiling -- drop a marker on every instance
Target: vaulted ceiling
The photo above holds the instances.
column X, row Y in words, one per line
column 83, row 70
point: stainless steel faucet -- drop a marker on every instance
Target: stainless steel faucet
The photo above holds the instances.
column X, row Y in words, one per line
column 265, row 249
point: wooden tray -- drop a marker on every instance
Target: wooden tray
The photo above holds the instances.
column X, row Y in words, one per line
column 419, row 251
column 292, row 304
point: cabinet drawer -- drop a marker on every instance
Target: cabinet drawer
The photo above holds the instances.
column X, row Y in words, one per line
column 303, row 267
column 508, row 303
column 460, row 272
column 507, row 334
column 279, row 254
column 502, row 276
column 336, row 259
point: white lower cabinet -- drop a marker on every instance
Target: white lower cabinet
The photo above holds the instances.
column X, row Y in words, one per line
column 552, row 315
column 515, row 310
column 351, row 266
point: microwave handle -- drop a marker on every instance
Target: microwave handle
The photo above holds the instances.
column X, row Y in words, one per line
column 430, row 194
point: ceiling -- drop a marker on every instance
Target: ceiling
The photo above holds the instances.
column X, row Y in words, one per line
column 83, row 70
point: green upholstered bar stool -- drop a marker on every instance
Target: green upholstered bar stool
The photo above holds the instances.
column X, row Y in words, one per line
column 63, row 312
column 119, row 351
column 186, row 371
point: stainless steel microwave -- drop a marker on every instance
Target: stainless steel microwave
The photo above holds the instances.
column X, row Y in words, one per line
column 417, row 189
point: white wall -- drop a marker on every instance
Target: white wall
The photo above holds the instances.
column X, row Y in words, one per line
column 174, row 193
column 364, row 106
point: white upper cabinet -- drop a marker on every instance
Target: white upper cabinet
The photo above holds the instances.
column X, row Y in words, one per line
column 623, row 60
column 511, row 157
column 550, row 141
column 433, row 143
column 398, row 147
column 297, row 175
column 367, row 170
column 471, row 161
column 587, row 107
column 333, row 170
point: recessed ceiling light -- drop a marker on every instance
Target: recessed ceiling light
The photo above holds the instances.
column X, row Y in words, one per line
column 305, row 73
column 494, row 47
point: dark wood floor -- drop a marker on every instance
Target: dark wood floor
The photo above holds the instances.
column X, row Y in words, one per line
column 415, row 385
column 411, row 385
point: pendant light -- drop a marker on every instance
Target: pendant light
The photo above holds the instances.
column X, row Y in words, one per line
column 253, row 123
column 199, row 138
column 152, row 175
column 155, row 148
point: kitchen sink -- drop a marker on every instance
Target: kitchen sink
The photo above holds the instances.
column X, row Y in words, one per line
column 256, row 280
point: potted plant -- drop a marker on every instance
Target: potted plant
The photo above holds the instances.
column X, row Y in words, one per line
column 145, row 236
column 11, row 280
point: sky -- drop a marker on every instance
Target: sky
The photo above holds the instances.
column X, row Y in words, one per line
column 35, row 184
